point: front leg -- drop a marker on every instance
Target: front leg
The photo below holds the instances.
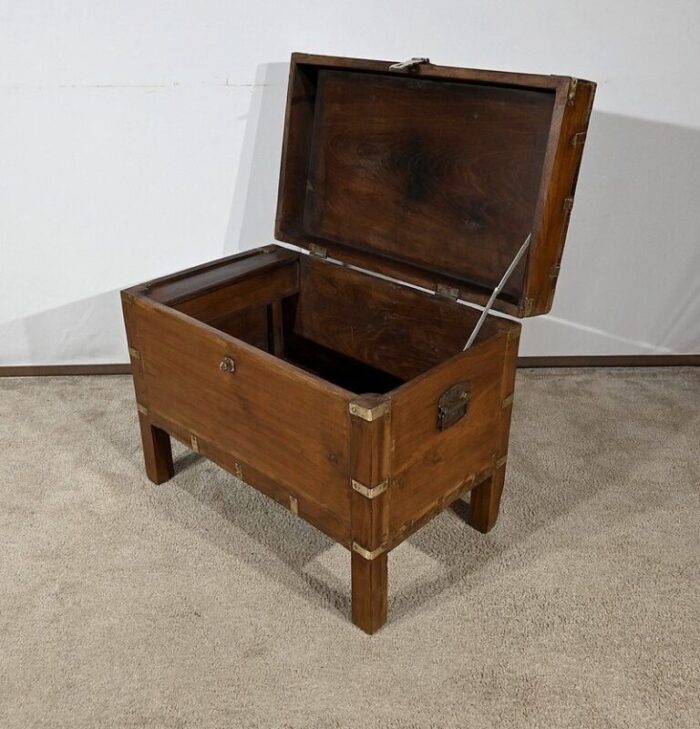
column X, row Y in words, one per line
column 157, row 452
column 369, row 592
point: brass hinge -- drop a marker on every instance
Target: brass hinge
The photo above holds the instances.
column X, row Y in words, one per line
column 408, row 65
column 369, row 414
column 447, row 292
column 370, row 492
column 134, row 353
column 318, row 251
column 507, row 401
column 578, row 139
column 571, row 96
column 554, row 272
column 568, row 204
column 366, row 553
column 293, row 504
column 127, row 298
column 194, row 443
column 142, row 408
column 238, row 470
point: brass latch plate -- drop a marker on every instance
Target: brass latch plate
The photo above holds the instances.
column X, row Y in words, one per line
column 452, row 405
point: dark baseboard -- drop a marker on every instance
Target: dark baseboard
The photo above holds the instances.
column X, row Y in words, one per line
column 614, row 360
column 56, row 370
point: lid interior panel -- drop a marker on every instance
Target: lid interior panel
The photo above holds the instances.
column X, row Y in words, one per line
column 444, row 176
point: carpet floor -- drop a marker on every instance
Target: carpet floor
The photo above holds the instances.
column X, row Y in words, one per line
column 201, row 603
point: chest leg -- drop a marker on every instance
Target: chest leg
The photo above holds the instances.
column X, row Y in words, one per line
column 157, row 452
column 369, row 592
column 485, row 501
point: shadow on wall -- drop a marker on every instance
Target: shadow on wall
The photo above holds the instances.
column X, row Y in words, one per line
column 252, row 218
column 629, row 278
column 628, row 281
column 88, row 331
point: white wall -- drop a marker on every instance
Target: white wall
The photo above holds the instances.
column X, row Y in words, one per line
column 140, row 137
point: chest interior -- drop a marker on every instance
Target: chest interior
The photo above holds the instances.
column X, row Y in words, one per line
column 354, row 330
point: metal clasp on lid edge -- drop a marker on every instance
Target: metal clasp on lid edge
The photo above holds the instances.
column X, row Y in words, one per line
column 409, row 64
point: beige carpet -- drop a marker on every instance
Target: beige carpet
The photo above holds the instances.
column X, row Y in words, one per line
column 200, row 603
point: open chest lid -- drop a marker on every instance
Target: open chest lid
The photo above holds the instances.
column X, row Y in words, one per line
column 433, row 175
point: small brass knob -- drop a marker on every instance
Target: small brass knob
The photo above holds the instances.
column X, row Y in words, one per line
column 227, row 365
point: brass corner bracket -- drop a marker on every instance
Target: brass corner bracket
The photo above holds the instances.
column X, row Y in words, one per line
column 370, row 492
column 369, row 414
column 366, row 553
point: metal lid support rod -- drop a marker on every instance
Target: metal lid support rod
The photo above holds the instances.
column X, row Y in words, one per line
column 497, row 291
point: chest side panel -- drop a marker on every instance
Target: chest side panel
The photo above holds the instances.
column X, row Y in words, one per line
column 432, row 467
column 291, row 427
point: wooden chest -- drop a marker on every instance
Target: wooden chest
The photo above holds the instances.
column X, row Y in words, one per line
column 336, row 381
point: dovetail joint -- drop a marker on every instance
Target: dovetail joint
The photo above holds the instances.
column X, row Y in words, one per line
column 370, row 492
column 527, row 306
column 127, row 298
column 133, row 352
column 369, row 414
column 513, row 333
column 571, row 96
column 507, row 401
column 366, row 553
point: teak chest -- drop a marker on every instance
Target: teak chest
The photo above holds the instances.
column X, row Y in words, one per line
column 335, row 381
